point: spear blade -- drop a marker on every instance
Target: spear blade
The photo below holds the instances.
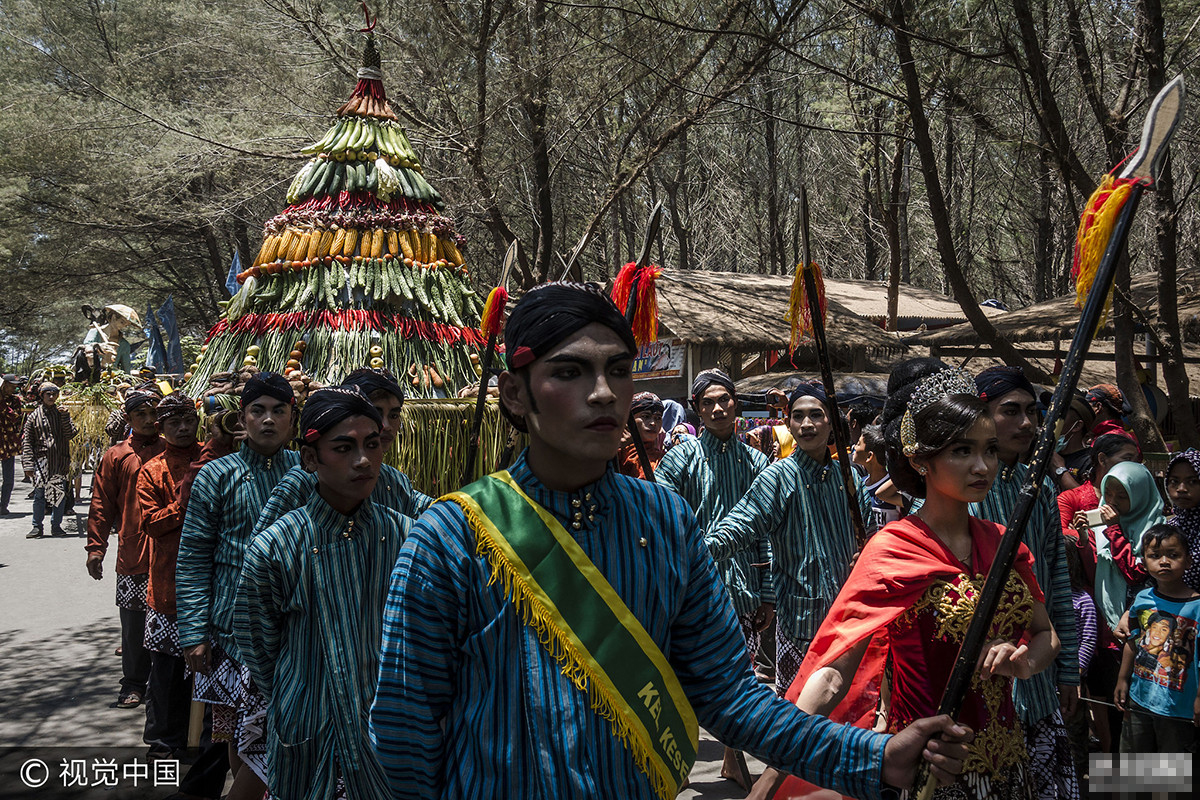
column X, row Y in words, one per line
column 652, row 228
column 569, row 264
column 1161, row 120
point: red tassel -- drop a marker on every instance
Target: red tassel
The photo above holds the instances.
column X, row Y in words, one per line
column 493, row 312
column 645, row 317
column 622, row 285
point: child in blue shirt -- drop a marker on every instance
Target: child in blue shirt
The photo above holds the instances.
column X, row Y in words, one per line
column 1157, row 684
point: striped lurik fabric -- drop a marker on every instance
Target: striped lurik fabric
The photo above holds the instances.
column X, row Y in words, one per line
column 712, row 476
column 394, row 490
column 307, row 620
column 470, row 704
column 226, row 499
column 1037, row 698
column 799, row 506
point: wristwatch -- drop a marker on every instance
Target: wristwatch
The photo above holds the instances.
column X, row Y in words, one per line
column 1058, row 473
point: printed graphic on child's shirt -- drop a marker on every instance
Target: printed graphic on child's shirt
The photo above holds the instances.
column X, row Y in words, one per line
column 1164, row 648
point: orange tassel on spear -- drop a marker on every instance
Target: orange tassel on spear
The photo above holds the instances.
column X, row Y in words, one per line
column 800, row 311
column 634, row 292
column 491, row 322
column 806, row 314
column 1096, row 225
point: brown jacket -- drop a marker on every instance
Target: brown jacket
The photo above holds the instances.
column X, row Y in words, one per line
column 162, row 519
column 115, row 504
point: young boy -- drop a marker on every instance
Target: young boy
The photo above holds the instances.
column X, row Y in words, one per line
column 885, row 502
column 168, row 695
column 1157, row 685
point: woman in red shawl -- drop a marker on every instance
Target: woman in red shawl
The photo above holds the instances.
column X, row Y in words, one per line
column 895, row 628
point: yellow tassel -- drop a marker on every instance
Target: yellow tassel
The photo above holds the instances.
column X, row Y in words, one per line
column 571, row 662
column 1095, row 229
column 799, row 313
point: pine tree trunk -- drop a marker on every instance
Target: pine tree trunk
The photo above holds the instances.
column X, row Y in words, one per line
column 1166, row 230
column 937, row 206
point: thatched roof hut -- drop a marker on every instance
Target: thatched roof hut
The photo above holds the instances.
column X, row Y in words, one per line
column 915, row 306
column 746, row 313
column 1058, row 318
column 709, row 319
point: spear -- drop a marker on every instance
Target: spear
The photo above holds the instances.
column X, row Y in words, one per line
column 569, row 264
column 808, row 274
column 491, row 322
column 1138, row 175
column 635, row 274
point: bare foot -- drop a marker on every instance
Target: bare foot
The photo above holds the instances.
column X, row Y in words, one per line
column 734, row 768
column 767, row 784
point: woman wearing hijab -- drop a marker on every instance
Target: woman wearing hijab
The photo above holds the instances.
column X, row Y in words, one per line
column 1107, row 451
column 1130, row 497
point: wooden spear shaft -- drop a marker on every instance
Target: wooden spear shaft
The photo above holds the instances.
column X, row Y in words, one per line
column 631, row 424
column 468, row 473
column 839, row 431
column 630, row 312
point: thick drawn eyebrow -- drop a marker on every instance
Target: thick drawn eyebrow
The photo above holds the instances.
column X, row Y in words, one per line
column 351, row 440
column 567, row 358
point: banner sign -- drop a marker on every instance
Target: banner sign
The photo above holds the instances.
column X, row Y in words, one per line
column 661, row 359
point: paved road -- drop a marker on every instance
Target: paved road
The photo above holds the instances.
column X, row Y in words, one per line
column 58, row 633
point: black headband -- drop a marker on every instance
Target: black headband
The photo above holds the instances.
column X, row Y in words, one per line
column 995, row 382
column 371, row 380
column 326, row 408
column 269, row 384
column 549, row 313
column 140, row 396
column 646, row 401
column 174, row 405
column 808, row 389
column 707, row 379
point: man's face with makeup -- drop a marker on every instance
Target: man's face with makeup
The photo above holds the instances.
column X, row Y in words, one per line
column 346, row 460
column 575, row 399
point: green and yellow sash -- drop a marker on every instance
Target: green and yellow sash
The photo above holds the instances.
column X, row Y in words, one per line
column 585, row 626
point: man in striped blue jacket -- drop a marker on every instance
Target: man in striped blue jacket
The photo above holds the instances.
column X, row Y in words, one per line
column 799, row 505
column 310, row 604
column 493, row 684
column 393, row 489
column 1012, row 402
column 225, row 501
column 711, row 473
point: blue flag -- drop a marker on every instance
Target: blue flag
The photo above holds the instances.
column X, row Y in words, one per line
column 231, row 279
column 156, row 353
column 170, row 332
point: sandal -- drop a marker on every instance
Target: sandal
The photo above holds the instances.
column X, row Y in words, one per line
column 129, row 700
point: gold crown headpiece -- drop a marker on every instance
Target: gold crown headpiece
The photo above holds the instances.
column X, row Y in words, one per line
column 930, row 389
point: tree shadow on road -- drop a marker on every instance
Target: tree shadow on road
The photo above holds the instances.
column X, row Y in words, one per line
column 60, row 689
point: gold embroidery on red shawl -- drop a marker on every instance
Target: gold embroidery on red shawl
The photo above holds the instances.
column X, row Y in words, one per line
column 997, row 747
